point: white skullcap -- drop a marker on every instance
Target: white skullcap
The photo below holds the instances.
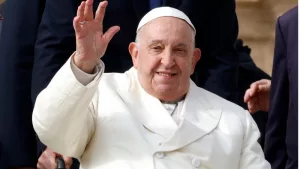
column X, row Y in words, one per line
column 162, row 12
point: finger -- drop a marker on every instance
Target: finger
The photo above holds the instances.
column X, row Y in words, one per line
column 110, row 33
column 247, row 96
column 88, row 10
column 50, row 156
column 68, row 160
column 52, row 162
column 80, row 11
column 251, row 106
column 261, row 82
column 39, row 165
column 253, row 90
column 264, row 81
column 264, row 88
column 101, row 11
column 254, row 105
column 76, row 24
column 41, row 162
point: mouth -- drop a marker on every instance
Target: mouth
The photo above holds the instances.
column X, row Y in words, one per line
column 164, row 74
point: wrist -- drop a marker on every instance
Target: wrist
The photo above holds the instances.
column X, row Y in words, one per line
column 87, row 66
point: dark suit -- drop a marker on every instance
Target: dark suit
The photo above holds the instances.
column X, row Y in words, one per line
column 281, row 145
column 1, row 15
column 16, row 59
column 39, row 38
column 248, row 73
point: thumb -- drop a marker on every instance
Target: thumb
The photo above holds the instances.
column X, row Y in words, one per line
column 263, row 81
column 110, row 33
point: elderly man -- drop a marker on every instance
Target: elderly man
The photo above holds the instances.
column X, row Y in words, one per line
column 153, row 115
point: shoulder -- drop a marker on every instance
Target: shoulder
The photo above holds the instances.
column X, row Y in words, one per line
column 233, row 117
column 288, row 18
column 290, row 15
column 219, row 102
column 118, row 81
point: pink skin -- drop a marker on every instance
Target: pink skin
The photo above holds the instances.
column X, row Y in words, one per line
column 165, row 57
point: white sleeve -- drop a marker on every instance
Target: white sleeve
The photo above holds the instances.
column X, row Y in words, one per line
column 64, row 114
column 252, row 156
column 82, row 77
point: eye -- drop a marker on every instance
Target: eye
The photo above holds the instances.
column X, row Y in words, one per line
column 180, row 50
column 157, row 48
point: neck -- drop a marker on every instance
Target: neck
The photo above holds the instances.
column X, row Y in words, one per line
column 175, row 101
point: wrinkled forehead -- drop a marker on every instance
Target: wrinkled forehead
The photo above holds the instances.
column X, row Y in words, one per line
column 167, row 29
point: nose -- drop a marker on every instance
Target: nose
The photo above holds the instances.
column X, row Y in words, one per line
column 168, row 60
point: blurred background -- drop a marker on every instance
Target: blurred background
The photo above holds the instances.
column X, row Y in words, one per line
column 1, row 13
column 257, row 19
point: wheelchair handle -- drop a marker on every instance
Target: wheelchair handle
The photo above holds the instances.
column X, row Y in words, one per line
column 60, row 163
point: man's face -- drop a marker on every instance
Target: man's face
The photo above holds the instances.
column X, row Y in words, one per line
column 165, row 57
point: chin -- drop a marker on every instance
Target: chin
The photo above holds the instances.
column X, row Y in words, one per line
column 166, row 93
column 165, row 89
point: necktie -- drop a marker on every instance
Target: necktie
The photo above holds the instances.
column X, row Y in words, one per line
column 154, row 3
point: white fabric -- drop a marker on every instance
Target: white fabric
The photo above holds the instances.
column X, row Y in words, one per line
column 174, row 110
column 164, row 12
column 81, row 76
column 112, row 123
column 85, row 78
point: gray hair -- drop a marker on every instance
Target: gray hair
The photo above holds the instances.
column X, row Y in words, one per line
column 137, row 37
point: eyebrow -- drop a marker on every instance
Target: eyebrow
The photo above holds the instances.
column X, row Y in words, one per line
column 155, row 42
column 161, row 41
column 181, row 45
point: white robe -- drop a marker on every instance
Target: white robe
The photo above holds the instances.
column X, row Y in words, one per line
column 112, row 123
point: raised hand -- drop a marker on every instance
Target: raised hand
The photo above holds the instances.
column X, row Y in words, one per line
column 91, row 42
column 257, row 96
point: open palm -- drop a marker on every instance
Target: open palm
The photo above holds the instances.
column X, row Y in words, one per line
column 91, row 42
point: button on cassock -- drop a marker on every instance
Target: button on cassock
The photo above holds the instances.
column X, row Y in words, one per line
column 196, row 162
column 159, row 155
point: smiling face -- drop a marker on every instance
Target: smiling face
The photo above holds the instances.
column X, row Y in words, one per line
column 165, row 57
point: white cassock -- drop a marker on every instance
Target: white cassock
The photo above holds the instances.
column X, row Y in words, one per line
column 108, row 121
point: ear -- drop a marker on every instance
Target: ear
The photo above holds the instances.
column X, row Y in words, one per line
column 196, row 58
column 133, row 50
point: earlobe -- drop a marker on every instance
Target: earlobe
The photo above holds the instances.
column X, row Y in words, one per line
column 134, row 53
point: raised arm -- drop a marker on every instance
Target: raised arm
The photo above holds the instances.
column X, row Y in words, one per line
column 64, row 112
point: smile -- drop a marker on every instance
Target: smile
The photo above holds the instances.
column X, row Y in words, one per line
column 166, row 74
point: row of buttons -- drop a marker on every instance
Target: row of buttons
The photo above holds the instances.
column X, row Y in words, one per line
column 195, row 161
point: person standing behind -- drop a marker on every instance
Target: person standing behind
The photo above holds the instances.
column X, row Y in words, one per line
column 281, row 145
column 17, row 138
column 20, row 147
column 281, row 142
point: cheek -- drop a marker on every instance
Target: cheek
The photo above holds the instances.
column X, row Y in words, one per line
column 150, row 65
column 184, row 66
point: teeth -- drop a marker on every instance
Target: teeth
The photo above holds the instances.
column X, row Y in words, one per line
column 165, row 74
